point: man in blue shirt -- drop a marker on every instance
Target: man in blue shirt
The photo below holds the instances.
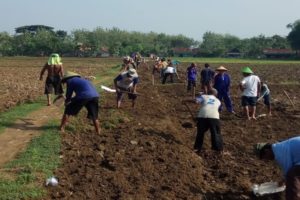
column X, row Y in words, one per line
column 222, row 85
column 85, row 95
column 287, row 155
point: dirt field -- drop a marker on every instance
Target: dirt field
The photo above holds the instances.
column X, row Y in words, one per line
column 146, row 153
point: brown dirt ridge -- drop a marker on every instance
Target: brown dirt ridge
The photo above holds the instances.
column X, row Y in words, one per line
column 146, row 152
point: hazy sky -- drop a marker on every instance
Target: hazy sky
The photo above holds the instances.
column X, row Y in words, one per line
column 192, row 18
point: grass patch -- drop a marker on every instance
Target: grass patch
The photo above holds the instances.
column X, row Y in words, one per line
column 32, row 167
column 236, row 60
column 8, row 118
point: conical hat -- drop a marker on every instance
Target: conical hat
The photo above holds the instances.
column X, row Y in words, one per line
column 68, row 75
column 221, row 68
column 247, row 70
column 54, row 59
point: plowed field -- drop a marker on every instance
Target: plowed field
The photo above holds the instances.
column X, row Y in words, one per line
column 146, row 152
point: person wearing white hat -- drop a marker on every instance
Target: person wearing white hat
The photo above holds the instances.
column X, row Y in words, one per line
column 128, row 63
column 55, row 72
column 86, row 96
column 222, row 83
column 126, row 82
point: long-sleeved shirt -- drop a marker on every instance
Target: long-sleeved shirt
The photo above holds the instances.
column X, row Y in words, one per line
column 264, row 90
column 191, row 73
column 222, row 83
column 83, row 89
column 287, row 153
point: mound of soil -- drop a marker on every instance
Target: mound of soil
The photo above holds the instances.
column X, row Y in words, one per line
column 146, row 152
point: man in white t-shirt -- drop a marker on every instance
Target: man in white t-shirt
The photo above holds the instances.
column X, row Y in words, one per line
column 250, row 87
column 208, row 118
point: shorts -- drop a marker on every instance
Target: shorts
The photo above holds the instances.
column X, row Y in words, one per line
column 267, row 100
column 249, row 101
column 191, row 83
column 121, row 94
column 53, row 83
column 91, row 104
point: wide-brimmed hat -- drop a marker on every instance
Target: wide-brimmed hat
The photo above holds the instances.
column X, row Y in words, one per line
column 247, row 70
column 221, row 68
column 127, row 58
column 54, row 59
column 132, row 72
column 68, row 75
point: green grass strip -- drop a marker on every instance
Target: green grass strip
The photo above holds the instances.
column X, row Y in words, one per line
column 8, row 118
column 235, row 60
column 34, row 165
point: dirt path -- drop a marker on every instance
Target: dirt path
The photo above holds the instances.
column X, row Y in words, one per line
column 15, row 138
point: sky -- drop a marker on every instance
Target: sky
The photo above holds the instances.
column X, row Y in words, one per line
column 192, row 18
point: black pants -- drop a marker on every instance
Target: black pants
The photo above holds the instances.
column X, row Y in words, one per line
column 213, row 125
column 293, row 183
column 166, row 76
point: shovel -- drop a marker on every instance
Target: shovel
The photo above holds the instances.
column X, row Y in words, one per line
column 105, row 88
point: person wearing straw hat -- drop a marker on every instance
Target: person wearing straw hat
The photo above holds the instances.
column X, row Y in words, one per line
column 55, row 72
column 287, row 155
column 86, row 96
column 250, row 87
column 222, row 83
column 126, row 82
column 128, row 63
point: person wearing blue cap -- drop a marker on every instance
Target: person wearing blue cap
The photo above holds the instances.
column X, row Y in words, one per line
column 55, row 72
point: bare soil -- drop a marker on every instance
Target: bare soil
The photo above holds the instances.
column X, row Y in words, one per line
column 147, row 153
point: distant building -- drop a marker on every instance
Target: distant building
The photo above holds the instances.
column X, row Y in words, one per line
column 184, row 52
column 104, row 52
column 234, row 53
column 279, row 53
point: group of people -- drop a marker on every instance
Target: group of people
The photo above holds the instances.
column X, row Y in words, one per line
column 215, row 86
column 165, row 68
column 85, row 92
column 251, row 87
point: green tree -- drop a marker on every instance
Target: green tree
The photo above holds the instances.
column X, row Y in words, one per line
column 294, row 36
column 6, row 44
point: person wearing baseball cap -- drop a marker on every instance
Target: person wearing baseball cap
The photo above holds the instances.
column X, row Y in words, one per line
column 250, row 87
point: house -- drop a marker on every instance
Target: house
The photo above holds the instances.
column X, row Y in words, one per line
column 104, row 52
column 234, row 53
column 279, row 53
column 184, row 52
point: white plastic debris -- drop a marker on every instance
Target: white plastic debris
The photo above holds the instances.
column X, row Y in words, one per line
column 52, row 181
column 267, row 188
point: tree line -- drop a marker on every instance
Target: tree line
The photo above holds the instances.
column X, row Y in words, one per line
column 39, row 40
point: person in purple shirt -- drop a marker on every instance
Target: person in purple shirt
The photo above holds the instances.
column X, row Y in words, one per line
column 287, row 155
column 85, row 95
column 191, row 77
column 222, row 85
